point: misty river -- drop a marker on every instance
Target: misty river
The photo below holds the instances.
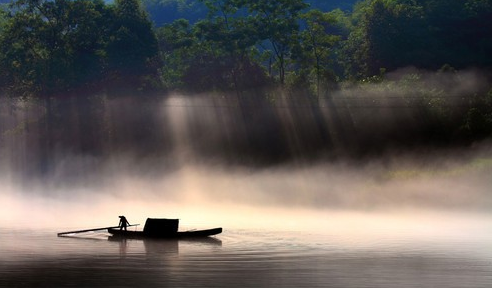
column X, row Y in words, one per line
column 301, row 202
column 250, row 258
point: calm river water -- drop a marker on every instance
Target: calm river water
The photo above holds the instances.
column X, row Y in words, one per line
column 245, row 258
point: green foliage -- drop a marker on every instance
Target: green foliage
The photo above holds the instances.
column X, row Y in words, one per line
column 61, row 46
column 51, row 47
column 478, row 119
column 226, row 50
column 312, row 54
column 216, row 53
column 387, row 34
column 132, row 48
column 176, row 42
column 164, row 12
column 276, row 22
column 426, row 34
column 3, row 22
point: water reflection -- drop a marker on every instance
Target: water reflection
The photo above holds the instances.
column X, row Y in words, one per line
column 151, row 247
column 161, row 246
column 245, row 258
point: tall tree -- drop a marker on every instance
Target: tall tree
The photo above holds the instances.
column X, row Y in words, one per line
column 276, row 21
column 132, row 51
column 315, row 46
column 3, row 21
column 177, row 44
column 232, row 37
column 50, row 47
column 216, row 53
column 388, row 34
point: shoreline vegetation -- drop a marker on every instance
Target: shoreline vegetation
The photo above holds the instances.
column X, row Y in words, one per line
column 276, row 79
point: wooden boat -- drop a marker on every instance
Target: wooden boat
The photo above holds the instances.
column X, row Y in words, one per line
column 181, row 234
column 164, row 229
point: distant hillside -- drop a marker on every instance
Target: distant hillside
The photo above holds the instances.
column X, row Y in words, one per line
column 328, row 5
column 166, row 11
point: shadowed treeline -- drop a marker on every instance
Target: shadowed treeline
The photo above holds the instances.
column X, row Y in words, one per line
column 62, row 137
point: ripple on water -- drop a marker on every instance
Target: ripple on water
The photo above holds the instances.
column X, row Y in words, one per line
column 244, row 258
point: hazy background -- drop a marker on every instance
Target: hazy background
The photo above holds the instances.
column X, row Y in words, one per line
column 346, row 160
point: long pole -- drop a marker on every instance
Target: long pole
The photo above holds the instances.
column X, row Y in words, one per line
column 92, row 229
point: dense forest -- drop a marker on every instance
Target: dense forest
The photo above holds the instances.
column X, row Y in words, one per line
column 50, row 47
column 413, row 55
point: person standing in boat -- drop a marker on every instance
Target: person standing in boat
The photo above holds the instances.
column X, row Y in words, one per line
column 123, row 223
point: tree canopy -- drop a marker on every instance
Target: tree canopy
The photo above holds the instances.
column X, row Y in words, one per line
column 427, row 34
column 262, row 51
column 50, row 47
column 53, row 47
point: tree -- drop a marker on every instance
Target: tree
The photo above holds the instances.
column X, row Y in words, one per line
column 232, row 38
column 52, row 47
column 164, row 12
column 3, row 21
column 313, row 54
column 389, row 34
column 176, row 42
column 132, row 49
column 461, row 32
column 216, row 53
column 276, row 22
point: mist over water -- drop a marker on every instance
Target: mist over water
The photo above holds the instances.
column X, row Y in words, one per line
column 240, row 161
column 340, row 191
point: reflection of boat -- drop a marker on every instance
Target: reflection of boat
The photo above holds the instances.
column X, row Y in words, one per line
column 163, row 228
column 158, row 241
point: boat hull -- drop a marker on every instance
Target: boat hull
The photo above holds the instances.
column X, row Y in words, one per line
column 176, row 235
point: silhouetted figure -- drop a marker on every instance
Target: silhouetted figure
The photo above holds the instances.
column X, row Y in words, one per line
column 123, row 222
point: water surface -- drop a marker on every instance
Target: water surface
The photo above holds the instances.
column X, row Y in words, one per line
column 245, row 258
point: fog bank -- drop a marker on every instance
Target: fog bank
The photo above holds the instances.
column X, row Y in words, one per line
column 378, row 148
column 284, row 196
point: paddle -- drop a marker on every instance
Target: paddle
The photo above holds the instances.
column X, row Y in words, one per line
column 89, row 230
